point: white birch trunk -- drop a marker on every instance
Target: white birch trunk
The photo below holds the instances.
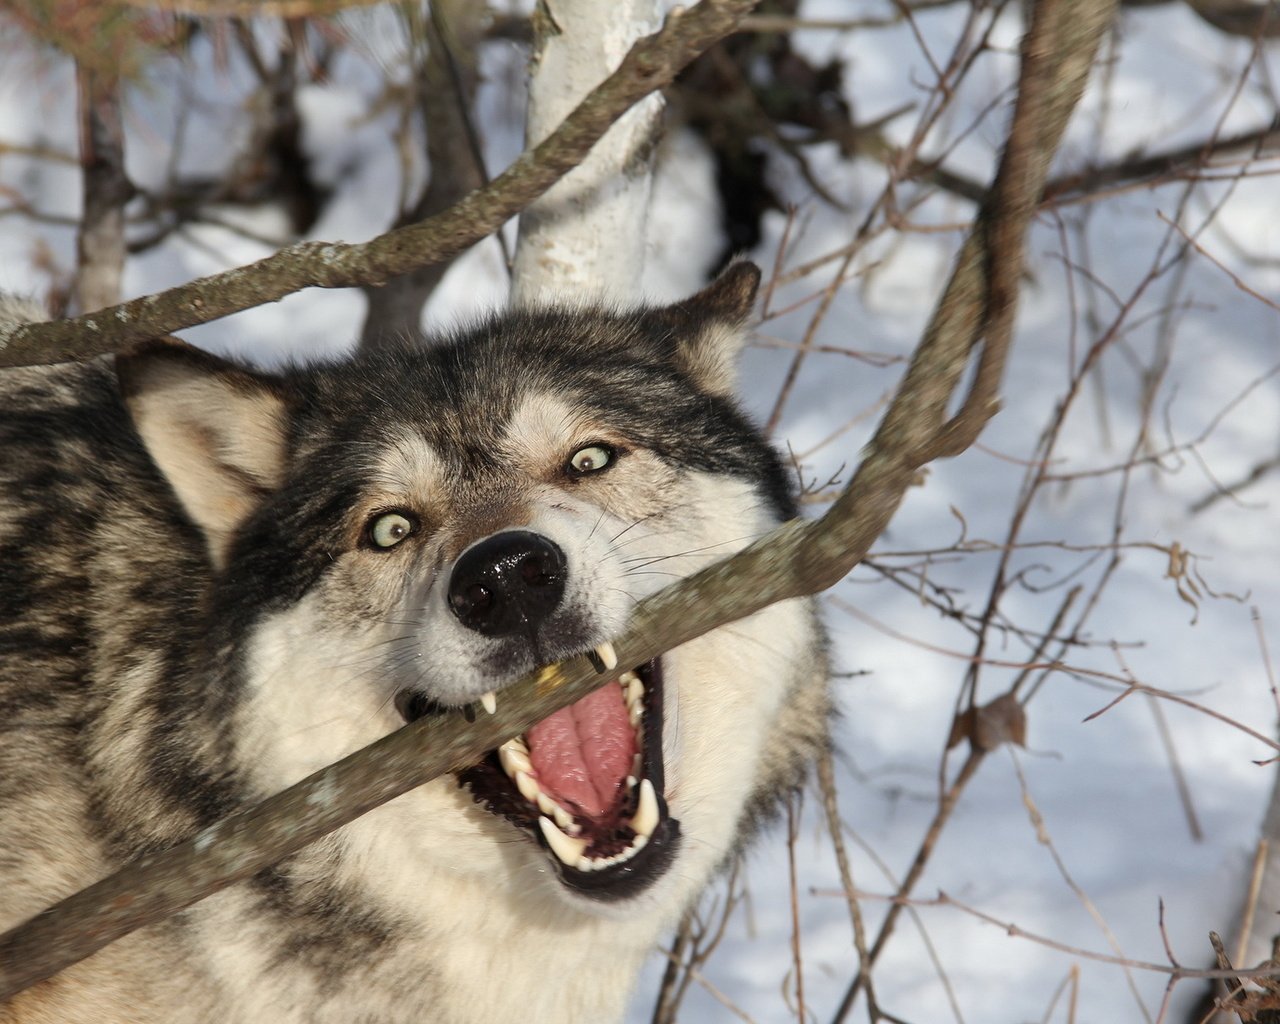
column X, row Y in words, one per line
column 585, row 237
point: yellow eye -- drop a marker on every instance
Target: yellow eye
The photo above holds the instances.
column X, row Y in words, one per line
column 591, row 459
column 389, row 529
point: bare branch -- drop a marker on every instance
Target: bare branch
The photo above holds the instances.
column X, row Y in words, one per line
column 445, row 89
column 100, row 247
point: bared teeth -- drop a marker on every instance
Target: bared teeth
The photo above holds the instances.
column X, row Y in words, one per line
column 566, row 848
column 489, row 701
column 562, row 817
column 514, row 757
column 586, row 863
column 633, row 696
column 546, row 805
column 607, row 655
column 646, row 816
column 560, row 829
column 528, row 788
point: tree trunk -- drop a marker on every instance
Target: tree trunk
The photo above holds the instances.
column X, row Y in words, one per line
column 585, row 236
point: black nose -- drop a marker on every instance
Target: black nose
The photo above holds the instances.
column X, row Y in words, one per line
column 507, row 583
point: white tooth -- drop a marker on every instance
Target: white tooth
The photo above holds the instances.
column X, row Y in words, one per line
column 646, row 817
column 514, row 758
column 489, row 701
column 628, row 677
column 528, row 788
column 631, row 783
column 565, row 820
column 567, row 849
column 546, row 805
column 607, row 655
column 625, row 855
column 635, row 688
column 634, row 714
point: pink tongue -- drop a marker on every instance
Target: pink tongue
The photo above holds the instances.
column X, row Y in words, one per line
column 582, row 754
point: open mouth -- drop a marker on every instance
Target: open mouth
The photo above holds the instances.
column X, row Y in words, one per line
column 587, row 784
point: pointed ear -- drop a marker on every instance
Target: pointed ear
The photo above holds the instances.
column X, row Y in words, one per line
column 216, row 431
column 709, row 328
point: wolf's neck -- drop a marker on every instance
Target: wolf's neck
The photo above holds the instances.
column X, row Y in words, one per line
column 490, row 919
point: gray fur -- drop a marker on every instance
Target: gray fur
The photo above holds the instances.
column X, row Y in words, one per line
column 193, row 615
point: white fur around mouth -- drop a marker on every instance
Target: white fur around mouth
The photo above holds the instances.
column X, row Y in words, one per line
column 559, row 827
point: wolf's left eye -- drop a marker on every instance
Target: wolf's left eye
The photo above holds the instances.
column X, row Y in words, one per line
column 590, row 459
column 389, row 529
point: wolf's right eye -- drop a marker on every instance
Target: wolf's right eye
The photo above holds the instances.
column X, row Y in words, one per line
column 590, row 459
column 389, row 529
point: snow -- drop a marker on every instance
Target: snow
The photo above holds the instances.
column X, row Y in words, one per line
column 1104, row 786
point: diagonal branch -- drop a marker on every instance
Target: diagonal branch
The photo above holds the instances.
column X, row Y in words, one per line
column 799, row 558
column 651, row 64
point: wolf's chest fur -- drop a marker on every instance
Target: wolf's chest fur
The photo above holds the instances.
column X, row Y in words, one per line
column 214, row 581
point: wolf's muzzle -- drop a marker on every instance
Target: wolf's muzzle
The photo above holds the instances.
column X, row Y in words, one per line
column 510, row 582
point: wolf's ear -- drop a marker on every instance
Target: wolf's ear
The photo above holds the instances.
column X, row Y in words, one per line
column 216, row 431
column 709, row 328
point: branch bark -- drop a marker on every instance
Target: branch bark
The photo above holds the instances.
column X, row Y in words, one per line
column 445, row 88
column 585, row 235
column 100, row 247
column 651, row 64
column 797, row 559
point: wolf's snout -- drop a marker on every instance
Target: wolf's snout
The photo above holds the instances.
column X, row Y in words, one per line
column 509, row 582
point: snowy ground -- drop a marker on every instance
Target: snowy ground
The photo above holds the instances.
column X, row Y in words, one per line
column 1120, row 837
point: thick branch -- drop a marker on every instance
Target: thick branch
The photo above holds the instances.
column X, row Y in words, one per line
column 798, row 558
column 652, row 63
column 1057, row 53
column 585, row 236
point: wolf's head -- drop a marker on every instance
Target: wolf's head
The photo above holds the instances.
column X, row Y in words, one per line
column 417, row 528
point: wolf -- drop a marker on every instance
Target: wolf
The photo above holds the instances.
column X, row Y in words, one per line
column 215, row 580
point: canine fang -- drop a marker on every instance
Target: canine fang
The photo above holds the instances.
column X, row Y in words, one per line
column 607, row 655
